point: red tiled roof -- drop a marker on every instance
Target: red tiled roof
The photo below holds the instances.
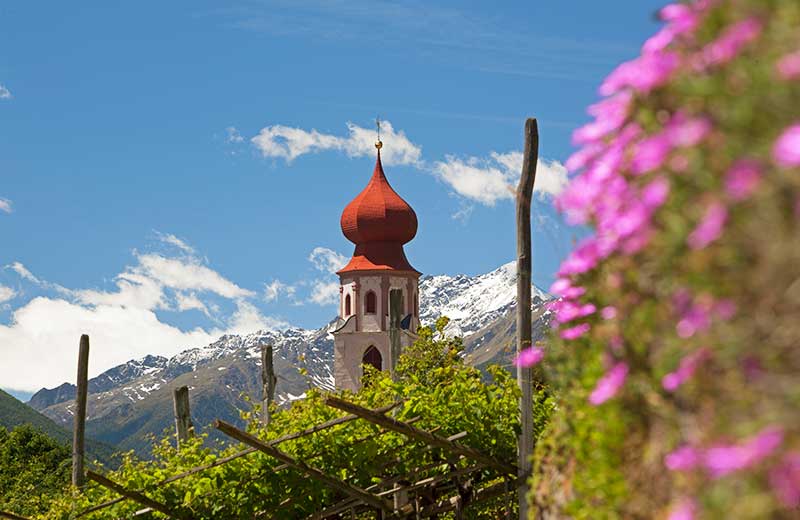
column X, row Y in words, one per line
column 378, row 221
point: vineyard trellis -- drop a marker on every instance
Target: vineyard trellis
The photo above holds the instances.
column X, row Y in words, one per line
column 446, row 484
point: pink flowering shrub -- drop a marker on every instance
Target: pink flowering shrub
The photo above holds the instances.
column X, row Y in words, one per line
column 676, row 350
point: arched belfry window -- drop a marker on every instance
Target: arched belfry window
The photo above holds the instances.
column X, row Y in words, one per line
column 416, row 305
column 373, row 358
column 371, row 303
column 347, row 306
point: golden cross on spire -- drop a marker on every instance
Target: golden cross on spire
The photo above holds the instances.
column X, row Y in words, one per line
column 378, row 143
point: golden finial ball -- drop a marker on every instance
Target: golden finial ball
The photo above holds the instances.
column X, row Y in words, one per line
column 378, row 144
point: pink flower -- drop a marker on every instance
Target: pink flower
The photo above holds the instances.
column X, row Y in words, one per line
column 608, row 385
column 786, row 151
column 682, row 459
column 655, row 194
column 684, row 131
column 582, row 259
column 742, row 179
column 610, row 115
column 721, row 460
column 710, row 227
column 529, row 357
column 608, row 313
column 683, row 510
column 569, row 311
column 725, row 309
column 583, row 156
column 785, row 480
column 731, row 42
column 575, row 332
column 651, row 153
column 686, row 369
column 643, row 74
column 788, row 67
column 637, row 241
column 659, row 41
column 695, row 319
column 680, row 16
column 752, row 368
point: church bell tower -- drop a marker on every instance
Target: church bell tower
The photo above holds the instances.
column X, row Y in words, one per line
column 379, row 303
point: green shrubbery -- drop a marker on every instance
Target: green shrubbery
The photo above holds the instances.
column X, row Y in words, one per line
column 434, row 383
column 34, row 468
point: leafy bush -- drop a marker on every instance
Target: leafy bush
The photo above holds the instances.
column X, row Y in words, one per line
column 33, row 469
column 436, row 387
column 677, row 352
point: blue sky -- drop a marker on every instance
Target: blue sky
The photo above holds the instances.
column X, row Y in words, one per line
column 135, row 203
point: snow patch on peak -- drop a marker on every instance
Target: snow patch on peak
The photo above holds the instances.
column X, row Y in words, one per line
column 471, row 302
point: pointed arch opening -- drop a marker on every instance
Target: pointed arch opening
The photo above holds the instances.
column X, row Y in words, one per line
column 373, row 358
column 370, row 303
column 347, row 306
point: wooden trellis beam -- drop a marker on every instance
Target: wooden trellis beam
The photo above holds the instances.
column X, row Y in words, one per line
column 136, row 496
column 247, row 451
column 450, row 504
column 11, row 516
column 406, row 429
column 344, row 487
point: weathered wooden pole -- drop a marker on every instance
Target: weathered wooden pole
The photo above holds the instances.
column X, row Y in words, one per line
column 395, row 317
column 525, row 374
column 268, row 382
column 78, row 432
column 183, row 417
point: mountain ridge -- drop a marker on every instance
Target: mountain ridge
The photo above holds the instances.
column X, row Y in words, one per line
column 132, row 400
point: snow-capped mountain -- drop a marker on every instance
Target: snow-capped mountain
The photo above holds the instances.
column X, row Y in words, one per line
column 133, row 399
column 471, row 302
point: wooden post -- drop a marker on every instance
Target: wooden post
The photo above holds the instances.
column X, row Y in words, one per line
column 135, row 496
column 395, row 317
column 79, row 429
column 268, row 383
column 183, row 417
column 525, row 374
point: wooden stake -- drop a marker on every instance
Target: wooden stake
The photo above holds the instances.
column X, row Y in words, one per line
column 183, row 417
column 395, row 317
column 344, row 487
column 525, row 374
column 421, row 435
column 135, row 496
column 268, row 382
column 79, row 429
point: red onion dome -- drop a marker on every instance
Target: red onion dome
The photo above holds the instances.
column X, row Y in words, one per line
column 378, row 221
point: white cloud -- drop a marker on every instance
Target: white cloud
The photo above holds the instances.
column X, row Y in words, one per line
column 275, row 288
column 190, row 301
column 5, row 205
column 232, row 135
column 6, row 293
column 288, row 143
column 481, row 179
column 324, row 292
column 327, row 260
column 171, row 239
column 122, row 323
column 4, row 93
column 23, row 272
column 188, row 274
column 489, row 180
column 463, row 213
